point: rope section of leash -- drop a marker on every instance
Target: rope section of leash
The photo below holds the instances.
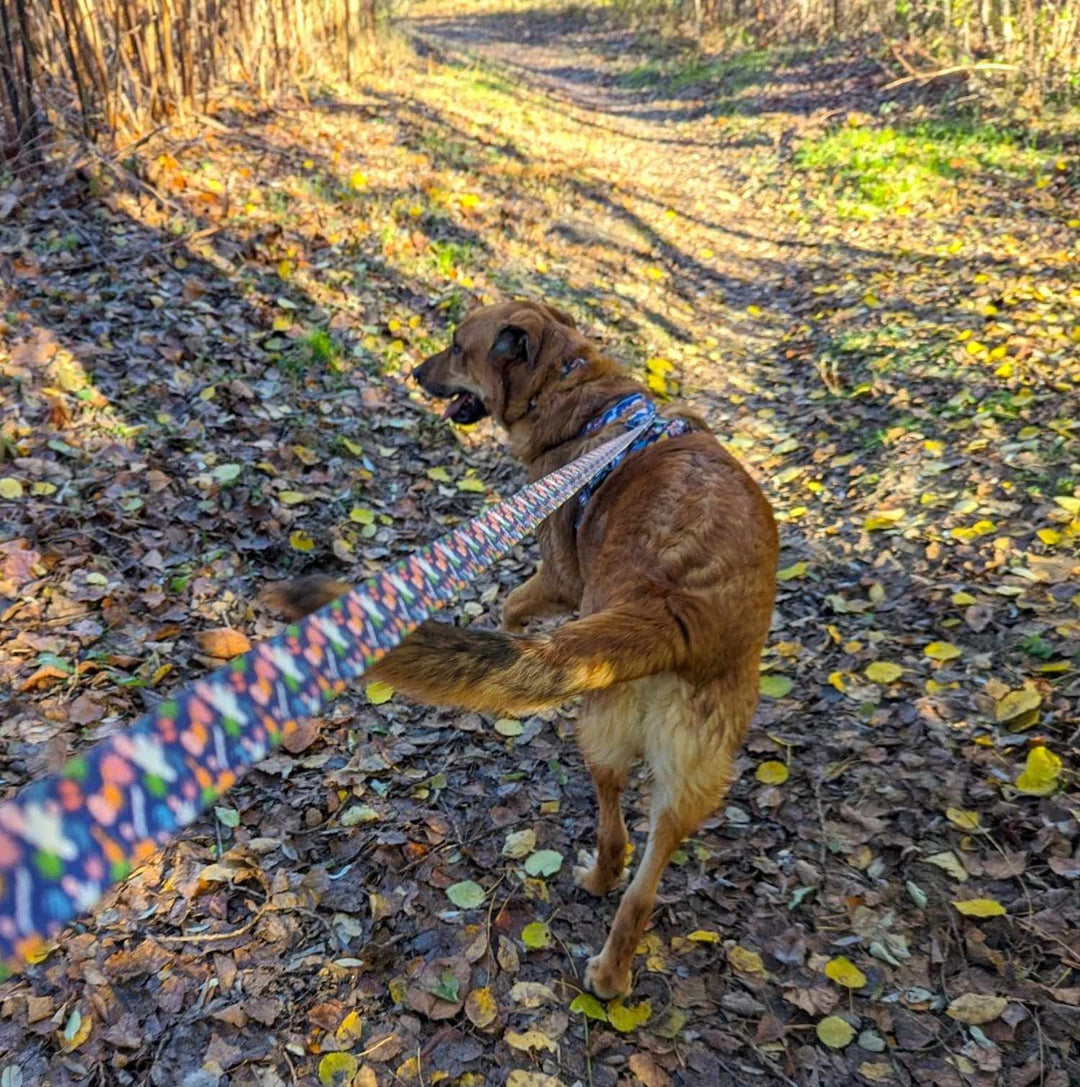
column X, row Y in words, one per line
column 65, row 838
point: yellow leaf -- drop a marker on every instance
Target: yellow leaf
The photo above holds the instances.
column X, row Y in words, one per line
column 379, row 692
column 659, row 366
column 962, row 600
column 301, row 541
column 772, row 773
column 471, row 483
column 350, row 1029
column 587, row 1004
column 536, row 935
column 656, row 384
column 844, row 972
column 749, row 962
column 337, row 1069
column 1049, row 536
column 942, row 651
column 975, row 348
column 10, row 488
column 357, row 181
column 42, row 489
column 285, row 268
column 1040, row 775
column 965, row 820
column 704, row 936
column 398, row 989
column 530, row 1040
column 789, row 573
column 1017, row 703
column 835, row 1032
column 293, row 498
column 439, row 475
column 481, row 1008
column 469, row 200
column 883, row 672
column 882, row 519
column 980, row 907
column 754, row 311
column 624, row 1019
column 836, row 679
column 362, row 516
column 948, row 862
column 654, row 273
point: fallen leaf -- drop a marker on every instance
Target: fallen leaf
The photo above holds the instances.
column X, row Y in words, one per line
column 378, row 692
column 1041, row 772
column 883, row 672
column 772, row 773
column 835, row 1032
column 223, row 643
column 519, row 843
column 536, row 936
column 625, row 1018
column 337, row 1069
column 466, row 895
column 481, row 1008
column 942, row 651
column 979, row 907
column 1016, row 704
column 948, row 862
column 544, row 862
column 774, row 686
column 749, row 962
column 586, row 1004
column 974, row 1009
column 530, row 1041
column 965, row 820
column 844, row 972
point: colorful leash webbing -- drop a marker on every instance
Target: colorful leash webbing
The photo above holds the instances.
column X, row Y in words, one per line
column 65, row 838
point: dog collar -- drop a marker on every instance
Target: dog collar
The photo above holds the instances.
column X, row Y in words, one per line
column 632, row 411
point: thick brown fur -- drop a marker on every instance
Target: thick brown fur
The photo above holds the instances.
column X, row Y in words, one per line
column 672, row 571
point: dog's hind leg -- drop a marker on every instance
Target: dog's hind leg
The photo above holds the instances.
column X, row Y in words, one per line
column 692, row 759
column 608, row 733
column 532, row 599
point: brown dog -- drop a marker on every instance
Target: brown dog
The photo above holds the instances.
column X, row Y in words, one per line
column 670, row 563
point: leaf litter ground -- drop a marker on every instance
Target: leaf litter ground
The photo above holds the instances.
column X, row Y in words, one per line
column 205, row 360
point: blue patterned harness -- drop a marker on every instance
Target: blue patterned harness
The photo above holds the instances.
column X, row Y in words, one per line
column 632, row 411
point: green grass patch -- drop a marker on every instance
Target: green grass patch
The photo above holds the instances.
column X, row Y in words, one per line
column 734, row 72
column 875, row 170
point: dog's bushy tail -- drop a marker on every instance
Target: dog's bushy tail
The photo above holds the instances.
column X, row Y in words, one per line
column 492, row 672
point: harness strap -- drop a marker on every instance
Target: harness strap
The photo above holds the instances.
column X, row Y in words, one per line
column 639, row 415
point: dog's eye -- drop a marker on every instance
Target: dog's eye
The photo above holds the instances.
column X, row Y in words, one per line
column 455, row 349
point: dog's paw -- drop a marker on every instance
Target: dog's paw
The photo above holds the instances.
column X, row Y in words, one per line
column 589, row 877
column 604, row 982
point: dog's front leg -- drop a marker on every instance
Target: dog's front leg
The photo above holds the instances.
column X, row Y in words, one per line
column 531, row 600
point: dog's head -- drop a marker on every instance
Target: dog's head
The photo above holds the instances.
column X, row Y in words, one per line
column 499, row 360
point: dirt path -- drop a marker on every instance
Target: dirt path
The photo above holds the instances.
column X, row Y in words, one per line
column 203, row 381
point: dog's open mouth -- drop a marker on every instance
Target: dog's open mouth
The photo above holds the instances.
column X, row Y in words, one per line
column 465, row 409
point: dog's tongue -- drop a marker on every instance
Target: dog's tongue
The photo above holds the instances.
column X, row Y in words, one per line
column 457, row 402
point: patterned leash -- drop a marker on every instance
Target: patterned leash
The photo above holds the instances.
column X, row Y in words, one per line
column 66, row 838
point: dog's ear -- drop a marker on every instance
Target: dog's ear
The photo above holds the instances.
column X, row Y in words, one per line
column 511, row 345
column 560, row 316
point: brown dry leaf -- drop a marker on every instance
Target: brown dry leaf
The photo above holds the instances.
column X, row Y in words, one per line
column 481, row 1008
column 647, row 1071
